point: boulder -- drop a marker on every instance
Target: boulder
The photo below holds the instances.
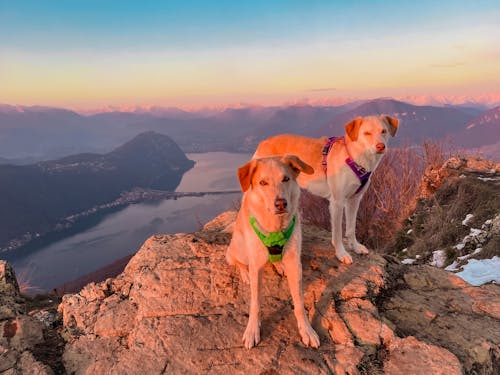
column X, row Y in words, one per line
column 178, row 307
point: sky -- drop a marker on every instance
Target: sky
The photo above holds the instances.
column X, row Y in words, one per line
column 87, row 54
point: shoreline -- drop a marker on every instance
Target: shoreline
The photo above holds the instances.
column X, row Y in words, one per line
column 90, row 217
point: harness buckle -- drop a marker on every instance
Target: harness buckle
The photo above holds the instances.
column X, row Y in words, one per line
column 362, row 171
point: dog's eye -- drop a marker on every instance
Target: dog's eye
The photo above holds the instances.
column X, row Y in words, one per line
column 384, row 131
column 286, row 179
column 263, row 183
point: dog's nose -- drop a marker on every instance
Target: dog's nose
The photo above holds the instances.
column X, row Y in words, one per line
column 280, row 204
column 380, row 147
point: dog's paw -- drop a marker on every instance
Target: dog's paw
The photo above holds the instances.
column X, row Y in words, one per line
column 360, row 249
column 355, row 246
column 309, row 336
column 343, row 256
column 251, row 337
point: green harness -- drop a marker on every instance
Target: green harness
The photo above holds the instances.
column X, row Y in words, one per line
column 274, row 241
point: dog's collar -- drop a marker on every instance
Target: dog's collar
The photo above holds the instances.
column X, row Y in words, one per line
column 361, row 173
column 274, row 241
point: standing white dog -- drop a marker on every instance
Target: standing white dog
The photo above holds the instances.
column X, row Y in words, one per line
column 342, row 170
column 268, row 229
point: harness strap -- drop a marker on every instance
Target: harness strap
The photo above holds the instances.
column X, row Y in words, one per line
column 326, row 150
column 361, row 173
column 274, row 241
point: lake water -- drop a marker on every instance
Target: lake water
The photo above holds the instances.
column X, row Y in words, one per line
column 122, row 233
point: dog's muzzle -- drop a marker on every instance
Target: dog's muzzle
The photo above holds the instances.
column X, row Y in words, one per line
column 380, row 147
column 280, row 205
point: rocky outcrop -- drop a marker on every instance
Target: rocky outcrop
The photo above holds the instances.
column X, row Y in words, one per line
column 434, row 175
column 19, row 333
column 440, row 308
column 179, row 308
column 10, row 298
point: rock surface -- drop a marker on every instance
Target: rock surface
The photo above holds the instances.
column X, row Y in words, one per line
column 439, row 307
column 179, row 308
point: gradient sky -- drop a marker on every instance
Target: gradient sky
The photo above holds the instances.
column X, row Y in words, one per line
column 84, row 54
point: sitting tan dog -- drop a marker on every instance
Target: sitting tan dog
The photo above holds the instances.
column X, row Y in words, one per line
column 268, row 229
column 342, row 170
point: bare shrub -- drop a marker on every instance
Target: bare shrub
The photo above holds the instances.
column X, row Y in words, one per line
column 390, row 198
column 435, row 153
column 314, row 210
column 24, row 280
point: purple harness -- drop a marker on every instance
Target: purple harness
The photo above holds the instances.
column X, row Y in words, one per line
column 361, row 173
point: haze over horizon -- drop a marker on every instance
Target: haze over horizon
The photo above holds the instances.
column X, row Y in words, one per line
column 92, row 54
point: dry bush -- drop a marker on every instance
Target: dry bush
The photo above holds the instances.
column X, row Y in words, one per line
column 390, row 198
column 314, row 210
column 24, row 280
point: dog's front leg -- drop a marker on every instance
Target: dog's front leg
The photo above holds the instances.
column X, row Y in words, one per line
column 251, row 337
column 336, row 212
column 351, row 212
column 293, row 271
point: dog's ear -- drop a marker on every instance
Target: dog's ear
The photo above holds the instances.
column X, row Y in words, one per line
column 393, row 124
column 352, row 128
column 297, row 165
column 245, row 174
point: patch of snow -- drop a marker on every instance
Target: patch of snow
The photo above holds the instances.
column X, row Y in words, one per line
column 417, row 256
column 404, row 250
column 475, row 235
column 475, row 232
column 487, row 178
column 486, row 223
column 479, row 272
column 477, row 251
column 438, row 258
column 409, row 231
column 408, row 261
column 452, row 267
column 468, row 218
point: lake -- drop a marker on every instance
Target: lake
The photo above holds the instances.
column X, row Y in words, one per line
column 122, row 233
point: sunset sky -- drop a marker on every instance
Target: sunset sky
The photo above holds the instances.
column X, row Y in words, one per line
column 84, row 54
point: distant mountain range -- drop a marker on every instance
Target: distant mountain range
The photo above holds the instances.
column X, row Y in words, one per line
column 481, row 129
column 41, row 133
column 35, row 197
column 418, row 123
